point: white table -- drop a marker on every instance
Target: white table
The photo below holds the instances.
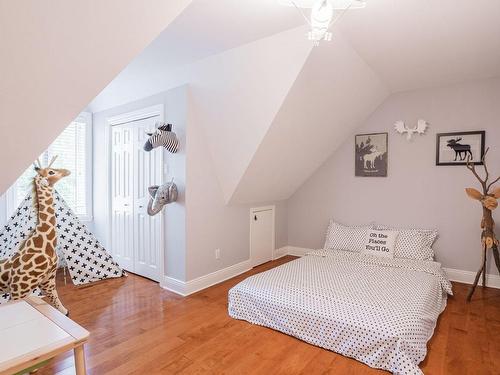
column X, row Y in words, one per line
column 32, row 331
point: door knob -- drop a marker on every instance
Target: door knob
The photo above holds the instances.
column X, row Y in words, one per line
column 255, row 217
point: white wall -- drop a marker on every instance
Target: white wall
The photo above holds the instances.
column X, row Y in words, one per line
column 176, row 113
column 333, row 94
column 237, row 94
column 211, row 224
column 175, row 110
column 200, row 221
column 416, row 192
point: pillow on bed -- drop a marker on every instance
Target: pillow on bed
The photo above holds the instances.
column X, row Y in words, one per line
column 413, row 243
column 346, row 237
column 381, row 243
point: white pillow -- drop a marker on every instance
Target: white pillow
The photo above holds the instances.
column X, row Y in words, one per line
column 413, row 243
column 346, row 237
column 381, row 243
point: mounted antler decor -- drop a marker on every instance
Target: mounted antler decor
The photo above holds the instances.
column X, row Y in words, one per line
column 421, row 127
column 488, row 199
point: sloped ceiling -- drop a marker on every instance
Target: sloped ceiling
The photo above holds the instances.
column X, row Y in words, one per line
column 236, row 96
column 268, row 130
column 413, row 44
column 205, row 28
column 390, row 46
column 322, row 108
column 56, row 56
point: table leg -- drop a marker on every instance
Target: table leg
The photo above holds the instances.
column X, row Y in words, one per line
column 80, row 360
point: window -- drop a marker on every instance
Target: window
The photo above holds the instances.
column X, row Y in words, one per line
column 74, row 149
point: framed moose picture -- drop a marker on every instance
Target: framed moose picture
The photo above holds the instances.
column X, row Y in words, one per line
column 371, row 155
column 457, row 148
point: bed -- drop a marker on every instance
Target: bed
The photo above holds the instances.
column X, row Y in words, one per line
column 380, row 311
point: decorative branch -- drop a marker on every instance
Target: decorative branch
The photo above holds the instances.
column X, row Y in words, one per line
column 489, row 203
column 493, row 183
column 483, row 160
column 484, row 183
column 470, row 166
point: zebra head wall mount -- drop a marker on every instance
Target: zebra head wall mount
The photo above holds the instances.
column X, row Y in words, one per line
column 163, row 136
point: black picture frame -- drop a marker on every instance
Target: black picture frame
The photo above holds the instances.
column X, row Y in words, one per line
column 461, row 153
column 378, row 166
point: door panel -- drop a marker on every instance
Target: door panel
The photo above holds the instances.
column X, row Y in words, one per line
column 121, row 199
column 262, row 236
column 136, row 237
column 148, row 171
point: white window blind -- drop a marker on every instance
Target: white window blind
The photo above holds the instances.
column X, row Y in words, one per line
column 74, row 149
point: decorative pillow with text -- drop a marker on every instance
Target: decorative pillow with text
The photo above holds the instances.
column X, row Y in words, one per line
column 381, row 243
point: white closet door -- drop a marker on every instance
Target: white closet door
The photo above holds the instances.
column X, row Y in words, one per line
column 122, row 196
column 136, row 236
column 147, row 172
column 261, row 236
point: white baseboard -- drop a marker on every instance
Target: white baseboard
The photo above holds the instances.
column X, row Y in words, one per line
column 467, row 277
column 174, row 285
column 297, row 251
column 185, row 288
column 280, row 253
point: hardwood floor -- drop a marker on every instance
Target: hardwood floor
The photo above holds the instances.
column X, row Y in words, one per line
column 138, row 328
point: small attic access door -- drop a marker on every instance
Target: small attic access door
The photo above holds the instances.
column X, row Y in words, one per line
column 136, row 237
column 261, row 235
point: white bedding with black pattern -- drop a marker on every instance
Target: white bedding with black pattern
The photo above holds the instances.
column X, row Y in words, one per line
column 379, row 311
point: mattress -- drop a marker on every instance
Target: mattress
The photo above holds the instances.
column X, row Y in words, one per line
column 380, row 311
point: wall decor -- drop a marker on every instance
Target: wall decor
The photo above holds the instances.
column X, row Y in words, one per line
column 455, row 148
column 160, row 196
column 163, row 136
column 401, row 128
column 488, row 199
column 371, row 155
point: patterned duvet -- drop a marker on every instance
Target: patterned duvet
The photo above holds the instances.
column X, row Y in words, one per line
column 379, row 311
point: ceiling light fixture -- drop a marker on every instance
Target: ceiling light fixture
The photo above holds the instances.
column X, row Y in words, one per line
column 324, row 13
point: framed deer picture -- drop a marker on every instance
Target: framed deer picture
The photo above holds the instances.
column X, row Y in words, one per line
column 371, row 155
column 455, row 148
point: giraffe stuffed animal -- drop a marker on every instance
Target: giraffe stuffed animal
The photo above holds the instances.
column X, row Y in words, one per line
column 34, row 265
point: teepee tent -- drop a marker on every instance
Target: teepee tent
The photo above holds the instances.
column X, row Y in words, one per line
column 77, row 248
